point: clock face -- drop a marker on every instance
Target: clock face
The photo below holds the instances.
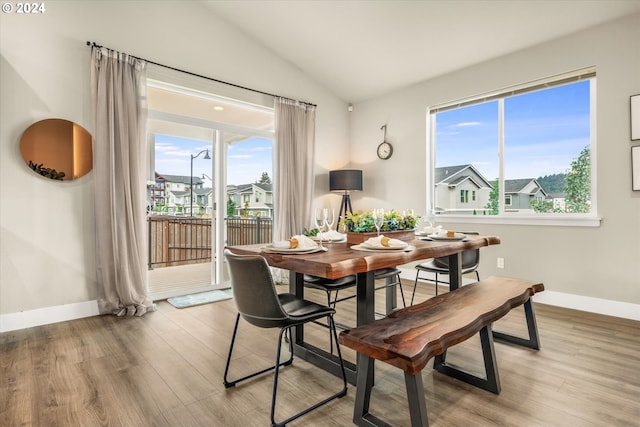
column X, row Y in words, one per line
column 385, row 150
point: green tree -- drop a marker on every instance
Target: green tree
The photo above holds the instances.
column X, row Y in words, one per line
column 578, row 184
column 494, row 197
column 231, row 208
column 264, row 179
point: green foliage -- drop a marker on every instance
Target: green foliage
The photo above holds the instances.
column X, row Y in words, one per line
column 544, row 206
column 264, row 179
column 310, row 233
column 553, row 183
column 231, row 208
column 362, row 222
column 494, row 197
column 578, row 187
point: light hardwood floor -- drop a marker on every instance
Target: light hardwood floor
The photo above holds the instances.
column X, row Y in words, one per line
column 166, row 368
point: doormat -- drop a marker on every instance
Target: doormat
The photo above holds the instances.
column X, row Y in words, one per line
column 200, row 298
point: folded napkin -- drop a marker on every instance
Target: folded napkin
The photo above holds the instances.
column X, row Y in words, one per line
column 296, row 242
column 445, row 233
column 332, row 235
column 432, row 230
column 384, row 242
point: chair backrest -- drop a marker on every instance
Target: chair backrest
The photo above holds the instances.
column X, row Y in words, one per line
column 254, row 292
column 470, row 258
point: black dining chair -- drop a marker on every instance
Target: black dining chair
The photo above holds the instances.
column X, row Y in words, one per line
column 470, row 262
column 259, row 304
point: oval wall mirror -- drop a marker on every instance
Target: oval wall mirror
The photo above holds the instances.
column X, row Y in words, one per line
column 57, row 149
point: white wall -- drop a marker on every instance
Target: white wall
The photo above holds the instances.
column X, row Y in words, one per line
column 46, row 227
column 600, row 262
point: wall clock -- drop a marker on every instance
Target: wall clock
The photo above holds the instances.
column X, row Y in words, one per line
column 385, row 150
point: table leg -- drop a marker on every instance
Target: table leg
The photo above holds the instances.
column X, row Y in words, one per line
column 391, row 295
column 455, row 271
column 365, row 313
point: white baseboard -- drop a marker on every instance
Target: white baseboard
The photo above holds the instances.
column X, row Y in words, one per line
column 624, row 310
column 47, row 315
column 62, row 313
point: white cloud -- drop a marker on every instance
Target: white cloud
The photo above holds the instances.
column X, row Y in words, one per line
column 465, row 124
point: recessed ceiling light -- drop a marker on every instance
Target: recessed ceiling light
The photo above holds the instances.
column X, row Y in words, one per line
column 218, row 108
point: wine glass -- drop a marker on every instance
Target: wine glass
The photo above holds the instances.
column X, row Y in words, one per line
column 329, row 218
column 320, row 221
column 378, row 219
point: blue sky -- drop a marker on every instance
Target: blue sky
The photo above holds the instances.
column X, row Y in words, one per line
column 544, row 132
column 246, row 160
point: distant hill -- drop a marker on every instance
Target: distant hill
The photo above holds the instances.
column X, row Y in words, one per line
column 552, row 183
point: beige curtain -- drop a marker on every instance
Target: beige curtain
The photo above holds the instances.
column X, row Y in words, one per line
column 293, row 176
column 119, row 165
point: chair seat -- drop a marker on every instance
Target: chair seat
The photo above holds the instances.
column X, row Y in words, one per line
column 432, row 266
column 383, row 273
column 303, row 310
column 329, row 284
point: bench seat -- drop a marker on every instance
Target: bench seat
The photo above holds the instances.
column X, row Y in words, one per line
column 410, row 337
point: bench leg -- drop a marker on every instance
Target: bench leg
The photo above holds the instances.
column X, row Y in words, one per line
column 532, row 327
column 417, row 403
column 364, row 384
column 491, row 382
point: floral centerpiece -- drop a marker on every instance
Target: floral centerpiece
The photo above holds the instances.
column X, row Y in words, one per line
column 360, row 226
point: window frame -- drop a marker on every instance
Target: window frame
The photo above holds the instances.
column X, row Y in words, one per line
column 591, row 219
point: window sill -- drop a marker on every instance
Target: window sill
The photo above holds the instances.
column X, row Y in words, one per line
column 560, row 221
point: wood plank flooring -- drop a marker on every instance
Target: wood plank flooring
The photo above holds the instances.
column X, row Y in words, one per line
column 166, row 369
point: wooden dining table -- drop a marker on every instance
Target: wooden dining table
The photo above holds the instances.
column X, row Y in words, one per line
column 341, row 260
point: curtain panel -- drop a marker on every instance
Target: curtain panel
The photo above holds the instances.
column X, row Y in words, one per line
column 295, row 155
column 119, row 156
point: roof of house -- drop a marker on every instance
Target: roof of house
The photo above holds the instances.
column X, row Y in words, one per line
column 453, row 175
column 518, row 185
column 181, row 179
column 248, row 188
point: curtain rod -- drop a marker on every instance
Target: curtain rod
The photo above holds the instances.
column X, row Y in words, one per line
column 95, row 45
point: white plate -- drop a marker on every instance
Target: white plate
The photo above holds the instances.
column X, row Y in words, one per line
column 457, row 236
column 272, row 250
column 407, row 248
column 333, row 240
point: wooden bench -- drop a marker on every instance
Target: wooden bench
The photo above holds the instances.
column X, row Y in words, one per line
column 410, row 337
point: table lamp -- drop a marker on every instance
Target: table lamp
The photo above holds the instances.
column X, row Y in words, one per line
column 345, row 180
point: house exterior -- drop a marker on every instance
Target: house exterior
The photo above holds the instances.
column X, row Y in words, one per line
column 461, row 190
column 170, row 194
column 518, row 194
column 252, row 199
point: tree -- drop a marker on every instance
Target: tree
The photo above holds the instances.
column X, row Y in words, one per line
column 494, row 197
column 578, row 184
column 264, row 179
column 231, row 208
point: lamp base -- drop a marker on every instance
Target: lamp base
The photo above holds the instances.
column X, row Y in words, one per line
column 345, row 207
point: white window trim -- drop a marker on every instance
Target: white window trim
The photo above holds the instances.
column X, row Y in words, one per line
column 570, row 220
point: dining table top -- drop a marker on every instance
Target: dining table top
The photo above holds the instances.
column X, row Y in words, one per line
column 342, row 260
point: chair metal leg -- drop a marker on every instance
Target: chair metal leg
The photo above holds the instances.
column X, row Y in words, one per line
column 341, row 393
column 229, row 384
column 415, row 285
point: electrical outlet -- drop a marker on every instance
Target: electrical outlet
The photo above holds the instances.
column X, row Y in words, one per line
column 500, row 262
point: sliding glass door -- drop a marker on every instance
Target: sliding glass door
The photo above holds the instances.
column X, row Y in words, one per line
column 209, row 184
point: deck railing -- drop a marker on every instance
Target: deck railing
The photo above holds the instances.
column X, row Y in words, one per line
column 187, row 240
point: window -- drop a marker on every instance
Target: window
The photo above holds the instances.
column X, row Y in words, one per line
column 531, row 143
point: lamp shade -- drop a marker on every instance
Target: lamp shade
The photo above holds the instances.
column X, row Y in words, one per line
column 345, row 180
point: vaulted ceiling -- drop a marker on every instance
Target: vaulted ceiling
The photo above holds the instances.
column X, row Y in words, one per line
column 362, row 49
